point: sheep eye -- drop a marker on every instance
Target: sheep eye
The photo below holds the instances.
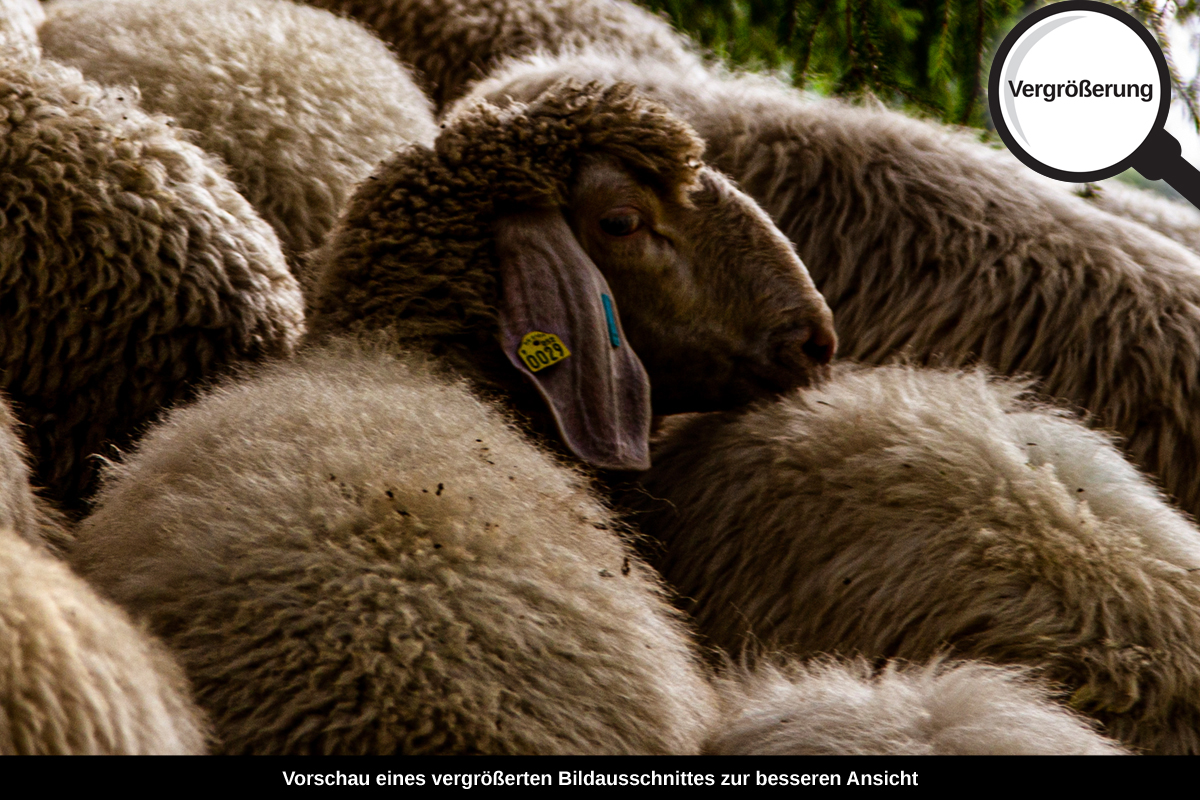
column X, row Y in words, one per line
column 622, row 223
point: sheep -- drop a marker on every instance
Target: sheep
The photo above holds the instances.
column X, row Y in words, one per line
column 300, row 104
column 75, row 675
column 893, row 512
column 130, row 269
column 19, row 21
column 352, row 555
column 825, row 707
column 354, row 552
column 454, row 42
column 927, row 244
column 1175, row 220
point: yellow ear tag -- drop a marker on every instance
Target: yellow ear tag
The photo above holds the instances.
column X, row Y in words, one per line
column 539, row 350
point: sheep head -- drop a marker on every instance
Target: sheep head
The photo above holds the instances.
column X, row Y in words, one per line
column 520, row 219
column 715, row 300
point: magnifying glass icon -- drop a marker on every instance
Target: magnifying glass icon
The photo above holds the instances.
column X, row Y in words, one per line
column 1079, row 91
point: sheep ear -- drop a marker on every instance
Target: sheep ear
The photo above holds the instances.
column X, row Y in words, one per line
column 559, row 326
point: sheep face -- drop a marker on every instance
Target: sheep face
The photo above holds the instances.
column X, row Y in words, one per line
column 712, row 296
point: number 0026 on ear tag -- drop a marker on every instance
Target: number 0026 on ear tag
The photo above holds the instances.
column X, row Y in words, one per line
column 539, row 350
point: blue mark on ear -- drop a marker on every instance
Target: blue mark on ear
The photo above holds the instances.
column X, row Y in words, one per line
column 613, row 336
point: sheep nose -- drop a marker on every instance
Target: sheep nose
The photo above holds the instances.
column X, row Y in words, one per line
column 805, row 347
column 821, row 346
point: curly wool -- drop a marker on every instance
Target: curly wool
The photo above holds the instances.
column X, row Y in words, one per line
column 827, row 707
column 350, row 555
column 130, row 269
column 926, row 243
column 300, row 104
column 454, row 42
column 414, row 253
column 76, row 677
column 895, row 512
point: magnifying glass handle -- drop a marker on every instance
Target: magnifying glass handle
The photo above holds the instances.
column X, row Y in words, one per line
column 1160, row 158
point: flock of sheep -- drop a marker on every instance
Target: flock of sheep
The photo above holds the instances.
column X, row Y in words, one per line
column 268, row 278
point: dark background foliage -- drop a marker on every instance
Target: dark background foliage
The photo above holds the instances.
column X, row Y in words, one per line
column 929, row 57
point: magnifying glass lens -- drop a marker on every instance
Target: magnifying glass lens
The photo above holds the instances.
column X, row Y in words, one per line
column 1081, row 91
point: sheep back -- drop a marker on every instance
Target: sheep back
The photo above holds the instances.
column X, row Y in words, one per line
column 130, row 268
column 826, row 707
column 300, row 104
column 351, row 556
column 454, row 42
column 76, row 677
column 895, row 512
